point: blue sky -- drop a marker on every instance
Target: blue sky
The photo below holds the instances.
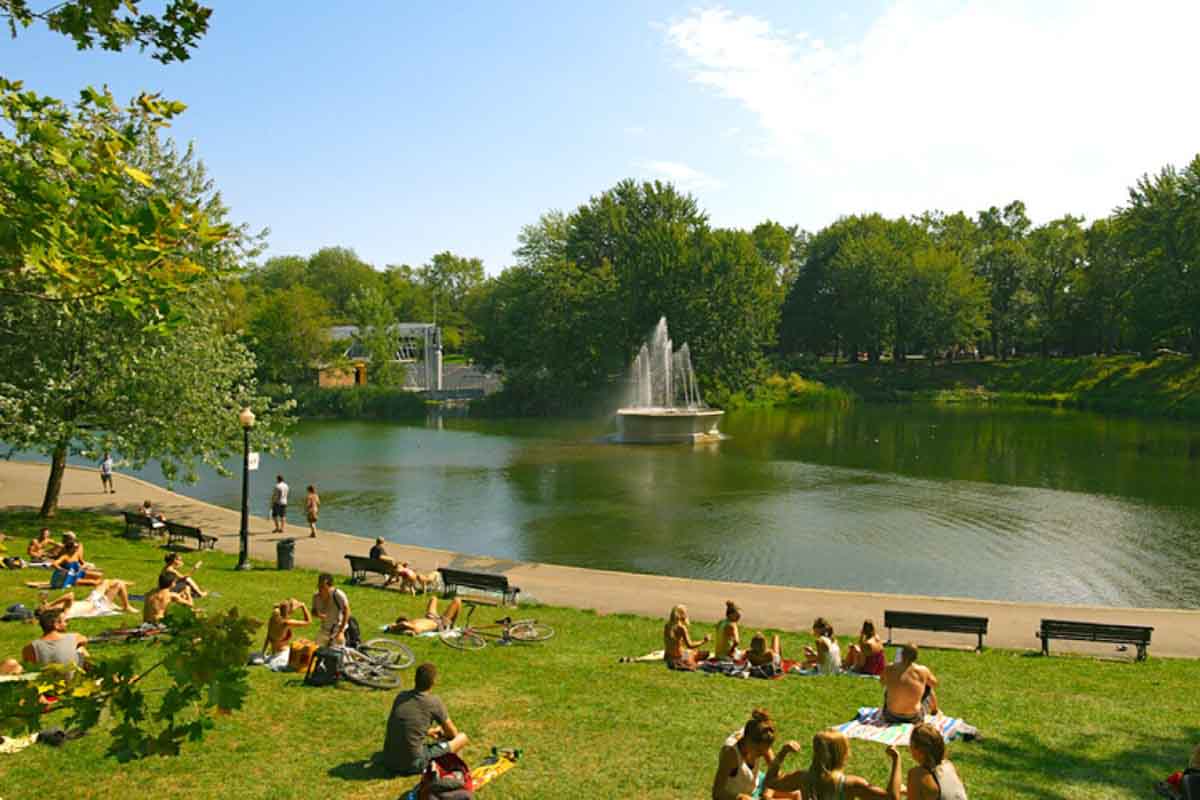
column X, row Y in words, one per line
column 404, row 129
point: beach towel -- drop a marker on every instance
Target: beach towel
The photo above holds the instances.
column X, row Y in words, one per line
column 869, row 725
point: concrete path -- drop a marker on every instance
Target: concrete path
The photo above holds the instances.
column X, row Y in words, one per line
column 1012, row 625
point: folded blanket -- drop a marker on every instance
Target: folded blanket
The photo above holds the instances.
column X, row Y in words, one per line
column 869, row 725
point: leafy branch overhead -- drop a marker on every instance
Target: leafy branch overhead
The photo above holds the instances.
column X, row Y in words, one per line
column 117, row 24
column 203, row 661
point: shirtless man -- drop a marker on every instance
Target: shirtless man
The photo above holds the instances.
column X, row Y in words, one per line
column 279, row 627
column 42, row 547
column 908, row 689
column 728, row 635
column 157, row 602
column 107, row 597
column 432, row 621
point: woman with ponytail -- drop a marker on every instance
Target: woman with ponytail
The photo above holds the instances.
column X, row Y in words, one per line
column 827, row 778
column 738, row 776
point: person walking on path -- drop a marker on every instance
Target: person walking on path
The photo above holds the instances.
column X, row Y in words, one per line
column 312, row 507
column 106, row 468
column 279, row 498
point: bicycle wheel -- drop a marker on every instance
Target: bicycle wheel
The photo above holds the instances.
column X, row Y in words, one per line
column 462, row 639
column 370, row 674
column 530, row 632
column 388, row 653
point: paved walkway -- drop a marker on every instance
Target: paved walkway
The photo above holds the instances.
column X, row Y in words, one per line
column 1012, row 625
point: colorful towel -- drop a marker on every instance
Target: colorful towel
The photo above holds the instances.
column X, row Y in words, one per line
column 869, row 725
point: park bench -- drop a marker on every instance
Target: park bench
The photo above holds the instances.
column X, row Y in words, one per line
column 455, row 579
column 942, row 623
column 135, row 523
column 177, row 532
column 1138, row 635
column 361, row 565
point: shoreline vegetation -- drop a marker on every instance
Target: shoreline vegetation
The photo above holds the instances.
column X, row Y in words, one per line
column 527, row 696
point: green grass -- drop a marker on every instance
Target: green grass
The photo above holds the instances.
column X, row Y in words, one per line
column 1168, row 386
column 1058, row 727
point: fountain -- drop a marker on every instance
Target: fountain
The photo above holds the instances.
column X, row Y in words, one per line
column 665, row 403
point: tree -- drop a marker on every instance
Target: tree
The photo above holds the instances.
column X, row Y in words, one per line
column 337, row 274
column 1057, row 253
column 117, row 25
column 205, row 659
column 1003, row 264
column 289, row 333
column 377, row 336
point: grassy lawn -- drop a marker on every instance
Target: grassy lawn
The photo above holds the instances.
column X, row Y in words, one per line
column 1053, row 728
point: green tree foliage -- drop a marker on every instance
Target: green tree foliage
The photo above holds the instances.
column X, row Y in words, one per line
column 377, row 336
column 117, row 24
column 338, row 274
column 289, row 334
column 1003, row 263
column 203, row 658
column 1057, row 252
column 450, row 282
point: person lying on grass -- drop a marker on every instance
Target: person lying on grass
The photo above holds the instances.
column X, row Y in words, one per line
column 42, row 547
column 173, row 566
column 738, row 776
column 679, row 651
column 827, row 657
column 908, row 689
column 432, row 621
column 108, row 597
column 155, row 606
column 866, row 656
column 728, row 635
column 55, row 646
column 418, row 715
column 933, row 777
column 826, row 778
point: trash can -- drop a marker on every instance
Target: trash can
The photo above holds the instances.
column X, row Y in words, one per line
column 285, row 554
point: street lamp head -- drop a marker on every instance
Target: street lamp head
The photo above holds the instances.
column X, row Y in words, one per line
column 246, row 417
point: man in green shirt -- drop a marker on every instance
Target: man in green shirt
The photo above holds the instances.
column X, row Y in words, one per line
column 416, row 716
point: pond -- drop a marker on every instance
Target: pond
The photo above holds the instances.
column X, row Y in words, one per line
column 1010, row 504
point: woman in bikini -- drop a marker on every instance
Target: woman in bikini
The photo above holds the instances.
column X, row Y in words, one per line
column 679, row 650
column 827, row 657
column 738, row 776
column 866, row 656
column 173, row 567
column 432, row 621
column 728, row 635
column 826, row 779
column 933, row 777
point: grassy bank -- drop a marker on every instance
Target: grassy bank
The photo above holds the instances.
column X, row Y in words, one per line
column 1168, row 386
column 1059, row 727
column 358, row 402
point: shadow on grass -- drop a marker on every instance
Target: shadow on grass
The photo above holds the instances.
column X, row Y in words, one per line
column 368, row 770
column 1145, row 759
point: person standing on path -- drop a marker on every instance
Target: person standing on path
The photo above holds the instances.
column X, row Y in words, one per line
column 312, row 507
column 279, row 498
column 106, row 468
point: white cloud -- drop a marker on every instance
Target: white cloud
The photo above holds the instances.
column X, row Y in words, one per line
column 684, row 177
column 964, row 104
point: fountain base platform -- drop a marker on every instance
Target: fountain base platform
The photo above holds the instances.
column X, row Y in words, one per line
column 668, row 425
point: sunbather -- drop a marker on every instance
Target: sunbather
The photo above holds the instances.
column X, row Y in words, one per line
column 728, row 635
column 933, row 777
column 55, row 646
column 173, row 566
column 827, row 657
column 155, row 606
column 908, row 689
column 432, row 621
column 826, row 778
column 108, row 597
column 866, row 656
column 763, row 659
column 42, row 547
column 279, row 627
column 679, row 651
column 737, row 776
column 70, row 563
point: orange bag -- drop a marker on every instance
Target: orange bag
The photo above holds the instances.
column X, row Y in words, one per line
column 301, row 655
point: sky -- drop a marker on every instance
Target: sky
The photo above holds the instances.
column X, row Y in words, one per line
column 402, row 129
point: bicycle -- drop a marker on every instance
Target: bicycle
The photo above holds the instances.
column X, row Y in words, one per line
column 141, row 633
column 377, row 663
column 504, row 631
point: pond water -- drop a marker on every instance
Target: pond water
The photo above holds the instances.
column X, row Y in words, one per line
column 1006, row 504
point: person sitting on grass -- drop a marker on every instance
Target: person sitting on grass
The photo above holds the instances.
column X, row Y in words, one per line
column 1182, row 784
column 155, row 606
column 42, row 547
column 728, row 635
column 866, row 656
column 908, row 689
column 826, row 778
column 110, row 596
column 332, row 607
column 173, row 566
column 432, row 621
column 56, row 646
column 738, row 777
column 279, row 630
column 827, row 657
column 416, row 716
column 69, row 567
column 679, row 651
column 933, row 777
column 765, row 662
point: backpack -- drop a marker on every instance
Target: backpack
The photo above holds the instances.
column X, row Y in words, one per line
column 325, row 669
column 447, row 778
column 17, row 613
column 353, row 634
column 1189, row 785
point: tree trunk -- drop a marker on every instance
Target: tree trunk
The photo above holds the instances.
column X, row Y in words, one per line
column 58, row 465
column 996, row 345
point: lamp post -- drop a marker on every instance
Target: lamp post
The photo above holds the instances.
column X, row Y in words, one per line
column 246, row 419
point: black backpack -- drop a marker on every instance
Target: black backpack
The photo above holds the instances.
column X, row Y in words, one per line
column 1189, row 787
column 325, row 668
column 353, row 634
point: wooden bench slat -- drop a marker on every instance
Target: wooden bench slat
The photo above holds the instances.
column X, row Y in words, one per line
column 177, row 532
column 361, row 565
column 483, row 581
column 1108, row 633
column 942, row 623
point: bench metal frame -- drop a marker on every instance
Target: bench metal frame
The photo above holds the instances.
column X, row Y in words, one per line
column 941, row 623
column 1076, row 631
column 454, row 579
column 177, row 532
column 361, row 565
